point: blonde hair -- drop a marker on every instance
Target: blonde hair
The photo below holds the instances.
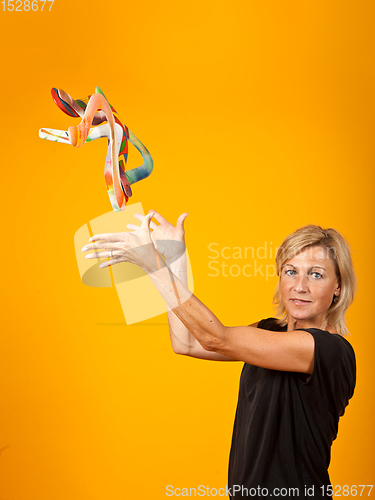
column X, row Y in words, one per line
column 339, row 251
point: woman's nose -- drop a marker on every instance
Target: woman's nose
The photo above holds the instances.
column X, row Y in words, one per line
column 301, row 284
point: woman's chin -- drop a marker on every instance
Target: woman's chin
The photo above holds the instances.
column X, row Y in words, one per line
column 299, row 315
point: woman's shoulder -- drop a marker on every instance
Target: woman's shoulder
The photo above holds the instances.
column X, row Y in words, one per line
column 333, row 351
column 334, row 339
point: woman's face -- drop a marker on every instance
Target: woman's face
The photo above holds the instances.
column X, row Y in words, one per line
column 308, row 283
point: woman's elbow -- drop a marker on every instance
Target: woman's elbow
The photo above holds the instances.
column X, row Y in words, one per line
column 182, row 350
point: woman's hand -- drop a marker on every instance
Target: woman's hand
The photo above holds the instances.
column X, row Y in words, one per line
column 168, row 239
column 135, row 247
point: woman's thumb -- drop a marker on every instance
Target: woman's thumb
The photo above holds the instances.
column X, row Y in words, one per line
column 146, row 221
column 181, row 221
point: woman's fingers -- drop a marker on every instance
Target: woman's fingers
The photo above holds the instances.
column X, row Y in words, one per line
column 133, row 226
column 112, row 255
column 105, row 237
column 159, row 217
column 146, row 221
column 99, row 246
column 108, row 254
column 111, row 262
column 141, row 217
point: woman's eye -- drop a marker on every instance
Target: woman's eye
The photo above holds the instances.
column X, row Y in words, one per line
column 316, row 275
column 290, row 272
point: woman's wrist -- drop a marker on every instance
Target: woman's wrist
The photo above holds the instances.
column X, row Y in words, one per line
column 153, row 262
column 172, row 288
column 178, row 262
column 178, row 266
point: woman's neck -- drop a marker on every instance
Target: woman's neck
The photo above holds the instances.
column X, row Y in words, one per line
column 295, row 324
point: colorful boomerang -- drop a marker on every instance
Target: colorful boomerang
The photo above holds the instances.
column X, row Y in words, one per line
column 100, row 119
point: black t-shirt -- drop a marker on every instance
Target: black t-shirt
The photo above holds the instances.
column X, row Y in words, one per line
column 285, row 422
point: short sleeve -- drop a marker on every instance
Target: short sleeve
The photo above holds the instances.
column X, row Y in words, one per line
column 334, row 373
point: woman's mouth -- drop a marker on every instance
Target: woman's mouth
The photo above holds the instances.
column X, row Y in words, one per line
column 300, row 302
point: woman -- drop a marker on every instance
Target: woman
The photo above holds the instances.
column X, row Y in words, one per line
column 299, row 371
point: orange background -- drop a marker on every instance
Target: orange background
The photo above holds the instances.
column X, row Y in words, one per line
column 260, row 118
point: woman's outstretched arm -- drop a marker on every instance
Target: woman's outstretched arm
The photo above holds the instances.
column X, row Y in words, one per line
column 286, row 351
column 170, row 242
column 183, row 342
